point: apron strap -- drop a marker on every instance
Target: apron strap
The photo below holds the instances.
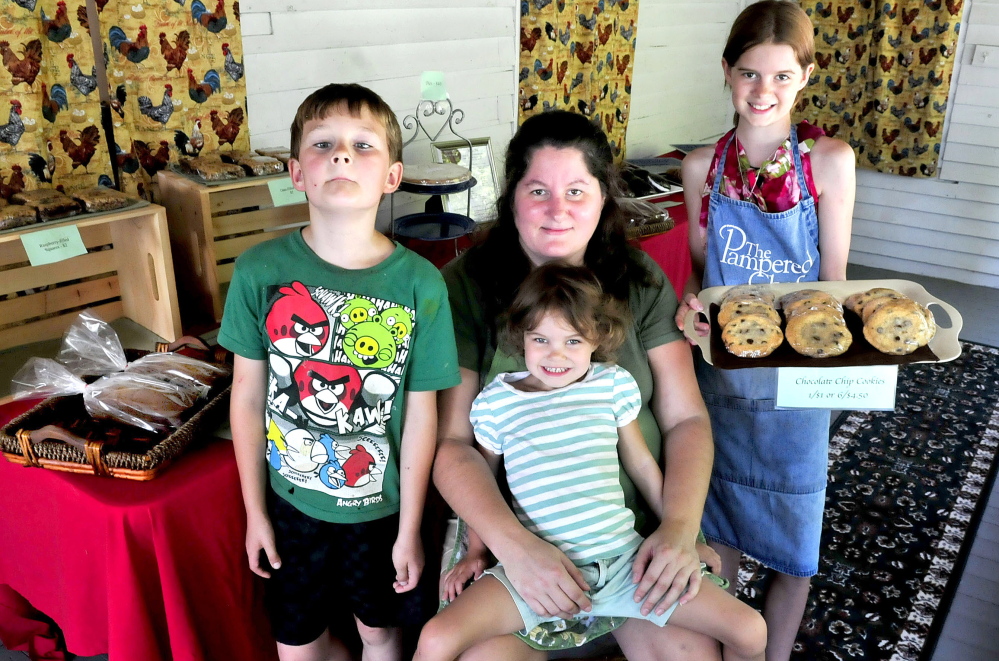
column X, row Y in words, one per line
column 720, row 166
column 798, row 170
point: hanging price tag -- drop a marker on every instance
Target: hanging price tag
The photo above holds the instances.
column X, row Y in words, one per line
column 432, row 86
column 864, row 388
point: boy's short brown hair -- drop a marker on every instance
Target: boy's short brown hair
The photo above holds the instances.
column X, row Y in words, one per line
column 353, row 98
column 574, row 293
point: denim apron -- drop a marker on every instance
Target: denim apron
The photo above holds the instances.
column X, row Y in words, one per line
column 768, row 483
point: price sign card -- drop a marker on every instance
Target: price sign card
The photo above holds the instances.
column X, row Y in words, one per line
column 861, row 388
column 284, row 192
column 432, row 86
column 53, row 245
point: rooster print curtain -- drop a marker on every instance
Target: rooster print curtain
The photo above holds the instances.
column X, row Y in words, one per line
column 882, row 78
column 175, row 72
column 578, row 56
column 50, row 109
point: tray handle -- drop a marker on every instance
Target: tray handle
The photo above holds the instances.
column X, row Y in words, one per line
column 947, row 338
column 92, row 450
column 956, row 320
column 205, row 352
column 702, row 341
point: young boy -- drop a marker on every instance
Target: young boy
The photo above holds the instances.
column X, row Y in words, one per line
column 342, row 339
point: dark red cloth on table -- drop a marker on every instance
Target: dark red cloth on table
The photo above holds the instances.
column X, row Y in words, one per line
column 139, row 570
column 671, row 250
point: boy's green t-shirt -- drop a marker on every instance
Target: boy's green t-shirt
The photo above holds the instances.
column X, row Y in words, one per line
column 343, row 347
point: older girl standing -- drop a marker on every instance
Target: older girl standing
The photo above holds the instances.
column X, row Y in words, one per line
column 769, row 192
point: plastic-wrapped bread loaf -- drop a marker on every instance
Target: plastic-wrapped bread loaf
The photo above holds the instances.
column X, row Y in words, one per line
column 36, row 195
column 271, row 151
column 212, row 168
column 16, row 215
column 260, row 165
column 101, row 198
column 140, row 400
column 57, row 206
column 180, row 369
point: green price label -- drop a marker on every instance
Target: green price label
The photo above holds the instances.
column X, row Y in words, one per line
column 284, row 192
column 432, row 86
column 53, row 245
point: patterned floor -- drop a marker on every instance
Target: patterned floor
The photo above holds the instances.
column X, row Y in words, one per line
column 903, row 486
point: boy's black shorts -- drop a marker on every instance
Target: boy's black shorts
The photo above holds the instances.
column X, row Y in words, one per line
column 330, row 572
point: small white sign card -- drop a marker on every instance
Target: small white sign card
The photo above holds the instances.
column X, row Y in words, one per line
column 432, row 86
column 283, row 192
column 53, row 245
column 860, row 388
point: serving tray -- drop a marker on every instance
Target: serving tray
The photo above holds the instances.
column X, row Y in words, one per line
column 942, row 348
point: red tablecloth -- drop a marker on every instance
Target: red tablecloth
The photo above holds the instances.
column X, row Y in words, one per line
column 671, row 249
column 142, row 571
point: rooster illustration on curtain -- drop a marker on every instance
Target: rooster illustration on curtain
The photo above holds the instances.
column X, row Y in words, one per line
column 578, row 56
column 50, row 111
column 882, row 78
column 176, row 77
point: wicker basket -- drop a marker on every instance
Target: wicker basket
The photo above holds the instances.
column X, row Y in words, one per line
column 134, row 454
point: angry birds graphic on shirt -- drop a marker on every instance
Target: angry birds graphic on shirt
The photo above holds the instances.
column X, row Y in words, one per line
column 356, row 310
column 369, row 344
column 359, row 468
column 326, row 390
column 296, row 324
column 336, row 363
column 398, row 321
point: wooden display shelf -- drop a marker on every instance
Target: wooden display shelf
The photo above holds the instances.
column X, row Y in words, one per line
column 127, row 271
column 210, row 226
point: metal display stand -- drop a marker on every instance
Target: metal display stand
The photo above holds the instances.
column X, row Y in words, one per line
column 434, row 224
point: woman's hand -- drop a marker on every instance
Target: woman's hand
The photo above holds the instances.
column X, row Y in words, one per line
column 453, row 581
column 664, row 567
column 691, row 302
column 546, row 579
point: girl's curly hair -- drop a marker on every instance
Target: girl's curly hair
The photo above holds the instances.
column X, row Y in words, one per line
column 573, row 293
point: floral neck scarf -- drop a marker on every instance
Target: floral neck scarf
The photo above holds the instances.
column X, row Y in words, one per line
column 773, row 187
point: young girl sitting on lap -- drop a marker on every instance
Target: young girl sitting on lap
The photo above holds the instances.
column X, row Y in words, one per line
column 560, row 428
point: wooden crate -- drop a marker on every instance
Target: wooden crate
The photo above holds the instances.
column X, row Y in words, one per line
column 210, row 226
column 127, row 271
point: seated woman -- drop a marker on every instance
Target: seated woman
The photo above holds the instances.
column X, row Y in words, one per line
column 558, row 203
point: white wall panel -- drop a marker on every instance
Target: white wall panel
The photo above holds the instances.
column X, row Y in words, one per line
column 975, row 115
column 299, row 31
column 976, row 174
column 678, row 91
column 973, row 135
column 293, row 47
